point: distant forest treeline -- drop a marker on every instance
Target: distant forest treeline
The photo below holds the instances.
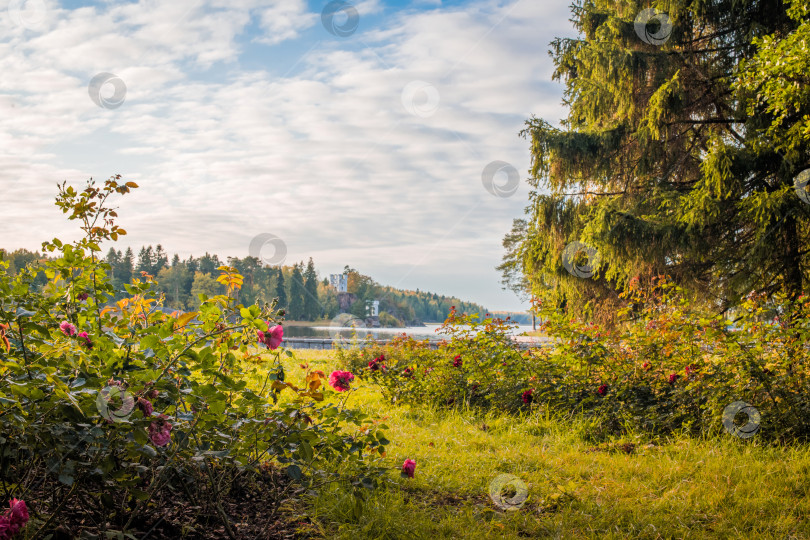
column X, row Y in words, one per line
column 299, row 288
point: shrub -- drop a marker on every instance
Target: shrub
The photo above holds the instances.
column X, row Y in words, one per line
column 123, row 406
column 667, row 366
column 477, row 366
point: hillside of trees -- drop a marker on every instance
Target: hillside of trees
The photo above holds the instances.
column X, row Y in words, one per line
column 301, row 291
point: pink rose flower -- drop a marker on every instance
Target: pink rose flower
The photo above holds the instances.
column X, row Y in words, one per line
column 272, row 338
column 457, row 361
column 160, row 431
column 67, row 328
column 6, row 530
column 13, row 519
column 408, row 468
column 86, row 338
column 145, row 406
column 19, row 512
column 602, row 390
column 339, row 380
column 527, row 396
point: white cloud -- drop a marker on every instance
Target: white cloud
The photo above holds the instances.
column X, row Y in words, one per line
column 328, row 159
column 284, row 19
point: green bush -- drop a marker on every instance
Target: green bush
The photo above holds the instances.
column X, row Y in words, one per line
column 122, row 406
column 666, row 367
column 477, row 366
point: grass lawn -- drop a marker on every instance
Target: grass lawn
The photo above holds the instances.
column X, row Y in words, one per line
column 577, row 488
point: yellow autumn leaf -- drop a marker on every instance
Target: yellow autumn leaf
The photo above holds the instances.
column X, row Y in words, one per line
column 231, row 278
column 313, row 381
column 278, row 385
column 184, row 319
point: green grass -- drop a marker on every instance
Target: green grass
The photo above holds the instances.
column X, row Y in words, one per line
column 679, row 488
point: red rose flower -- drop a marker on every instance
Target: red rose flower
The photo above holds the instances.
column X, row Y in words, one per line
column 374, row 364
column 409, row 468
column 689, row 370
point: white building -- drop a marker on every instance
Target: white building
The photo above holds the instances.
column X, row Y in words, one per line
column 339, row 282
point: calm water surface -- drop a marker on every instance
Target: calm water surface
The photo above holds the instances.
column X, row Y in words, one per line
column 429, row 331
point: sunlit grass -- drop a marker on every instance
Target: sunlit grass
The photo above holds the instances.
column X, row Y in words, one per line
column 679, row 488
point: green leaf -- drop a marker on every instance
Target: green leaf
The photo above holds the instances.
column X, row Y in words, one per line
column 107, row 500
column 306, row 450
column 149, row 342
column 138, row 494
column 66, row 479
column 294, row 472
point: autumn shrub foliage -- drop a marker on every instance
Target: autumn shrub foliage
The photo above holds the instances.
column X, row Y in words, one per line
column 666, row 366
column 120, row 413
column 477, row 365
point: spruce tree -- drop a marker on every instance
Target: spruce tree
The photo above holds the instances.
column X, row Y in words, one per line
column 661, row 167
column 124, row 272
column 113, row 258
column 312, row 306
column 296, row 300
column 160, row 260
column 145, row 259
column 209, row 263
column 281, row 290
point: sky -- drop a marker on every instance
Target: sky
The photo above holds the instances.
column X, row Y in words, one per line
column 378, row 134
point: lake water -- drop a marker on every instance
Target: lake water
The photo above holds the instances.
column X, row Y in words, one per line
column 417, row 332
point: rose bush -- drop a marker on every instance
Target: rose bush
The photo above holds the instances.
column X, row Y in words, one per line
column 125, row 405
column 477, row 366
column 666, row 366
